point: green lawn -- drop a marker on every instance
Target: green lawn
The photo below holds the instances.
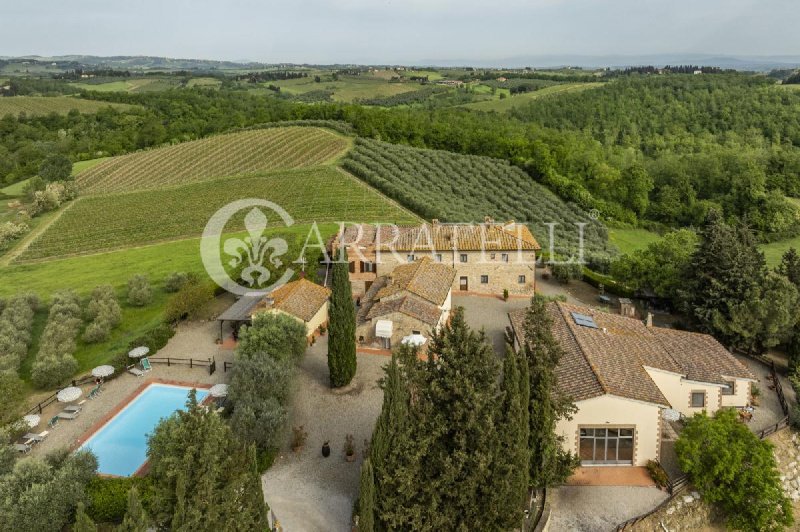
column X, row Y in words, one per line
column 15, row 189
column 775, row 250
column 630, row 240
column 502, row 105
column 80, row 166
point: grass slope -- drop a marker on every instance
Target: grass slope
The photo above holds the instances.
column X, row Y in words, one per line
column 630, row 240
column 502, row 105
column 44, row 105
column 240, row 153
column 102, row 223
column 463, row 188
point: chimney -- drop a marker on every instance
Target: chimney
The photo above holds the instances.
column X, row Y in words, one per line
column 487, row 219
column 435, row 221
column 648, row 321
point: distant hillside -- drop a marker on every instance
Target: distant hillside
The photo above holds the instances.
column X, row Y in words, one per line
column 41, row 105
column 240, row 153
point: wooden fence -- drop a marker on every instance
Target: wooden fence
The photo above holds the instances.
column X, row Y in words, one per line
column 677, row 485
column 53, row 398
column 209, row 363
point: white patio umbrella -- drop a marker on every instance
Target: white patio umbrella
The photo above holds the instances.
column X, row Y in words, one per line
column 103, row 371
column 139, row 352
column 219, row 390
column 32, row 420
column 67, row 395
column 414, row 339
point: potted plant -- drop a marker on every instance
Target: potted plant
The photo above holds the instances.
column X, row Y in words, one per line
column 505, row 294
column 326, row 449
column 349, row 448
column 322, row 329
column 299, row 437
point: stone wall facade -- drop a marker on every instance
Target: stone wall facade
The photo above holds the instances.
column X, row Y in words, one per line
column 477, row 271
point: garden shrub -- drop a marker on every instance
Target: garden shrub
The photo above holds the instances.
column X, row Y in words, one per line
column 140, row 293
column 657, row 473
column 13, row 397
column 51, row 198
column 175, row 281
column 155, row 338
column 189, row 300
column 11, row 231
column 108, row 497
column 733, row 468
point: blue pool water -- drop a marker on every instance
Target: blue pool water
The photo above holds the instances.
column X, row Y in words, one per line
column 121, row 444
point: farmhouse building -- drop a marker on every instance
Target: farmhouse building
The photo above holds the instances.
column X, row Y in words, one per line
column 303, row 300
column 408, row 303
column 627, row 377
column 488, row 257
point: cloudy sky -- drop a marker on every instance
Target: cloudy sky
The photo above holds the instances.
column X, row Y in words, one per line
column 401, row 31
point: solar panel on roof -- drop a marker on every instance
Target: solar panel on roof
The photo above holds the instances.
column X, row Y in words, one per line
column 584, row 320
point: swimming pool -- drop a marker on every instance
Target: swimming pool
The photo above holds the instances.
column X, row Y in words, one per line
column 121, row 444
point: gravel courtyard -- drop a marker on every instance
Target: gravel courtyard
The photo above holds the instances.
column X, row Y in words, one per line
column 306, row 491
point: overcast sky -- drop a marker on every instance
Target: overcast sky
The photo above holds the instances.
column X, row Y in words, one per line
column 400, row 31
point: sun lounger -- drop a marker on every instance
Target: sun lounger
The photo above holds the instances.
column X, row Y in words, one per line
column 32, row 437
column 73, row 408
column 136, row 371
column 22, row 447
column 68, row 415
column 146, row 365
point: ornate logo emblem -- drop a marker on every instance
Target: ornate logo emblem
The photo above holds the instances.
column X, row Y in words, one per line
column 249, row 258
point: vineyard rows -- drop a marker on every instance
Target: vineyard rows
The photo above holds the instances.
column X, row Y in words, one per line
column 43, row 105
column 100, row 223
column 240, row 153
column 463, row 188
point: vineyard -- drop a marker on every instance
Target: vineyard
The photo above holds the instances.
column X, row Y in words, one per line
column 461, row 188
column 101, row 223
column 43, row 105
column 246, row 152
column 506, row 104
column 404, row 98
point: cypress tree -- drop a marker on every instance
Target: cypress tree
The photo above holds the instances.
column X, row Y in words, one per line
column 506, row 498
column 549, row 463
column 366, row 499
column 83, row 523
column 135, row 517
column 342, row 335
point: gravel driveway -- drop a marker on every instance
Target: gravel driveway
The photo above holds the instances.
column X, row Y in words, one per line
column 306, row 491
column 599, row 508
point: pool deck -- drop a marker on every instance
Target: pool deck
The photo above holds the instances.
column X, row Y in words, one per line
column 195, row 338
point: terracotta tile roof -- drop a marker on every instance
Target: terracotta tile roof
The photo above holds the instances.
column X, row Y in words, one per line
column 464, row 237
column 408, row 305
column 425, row 278
column 702, row 358
column 301, row 298
column 612, row 357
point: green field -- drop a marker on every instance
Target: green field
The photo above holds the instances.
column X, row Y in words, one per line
column 101, row 223
column 206, row 83
column 465, row 188
column 246, row 152
column 43, row 105
column 505, row 104
column 630, row 240
column 348, row 88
